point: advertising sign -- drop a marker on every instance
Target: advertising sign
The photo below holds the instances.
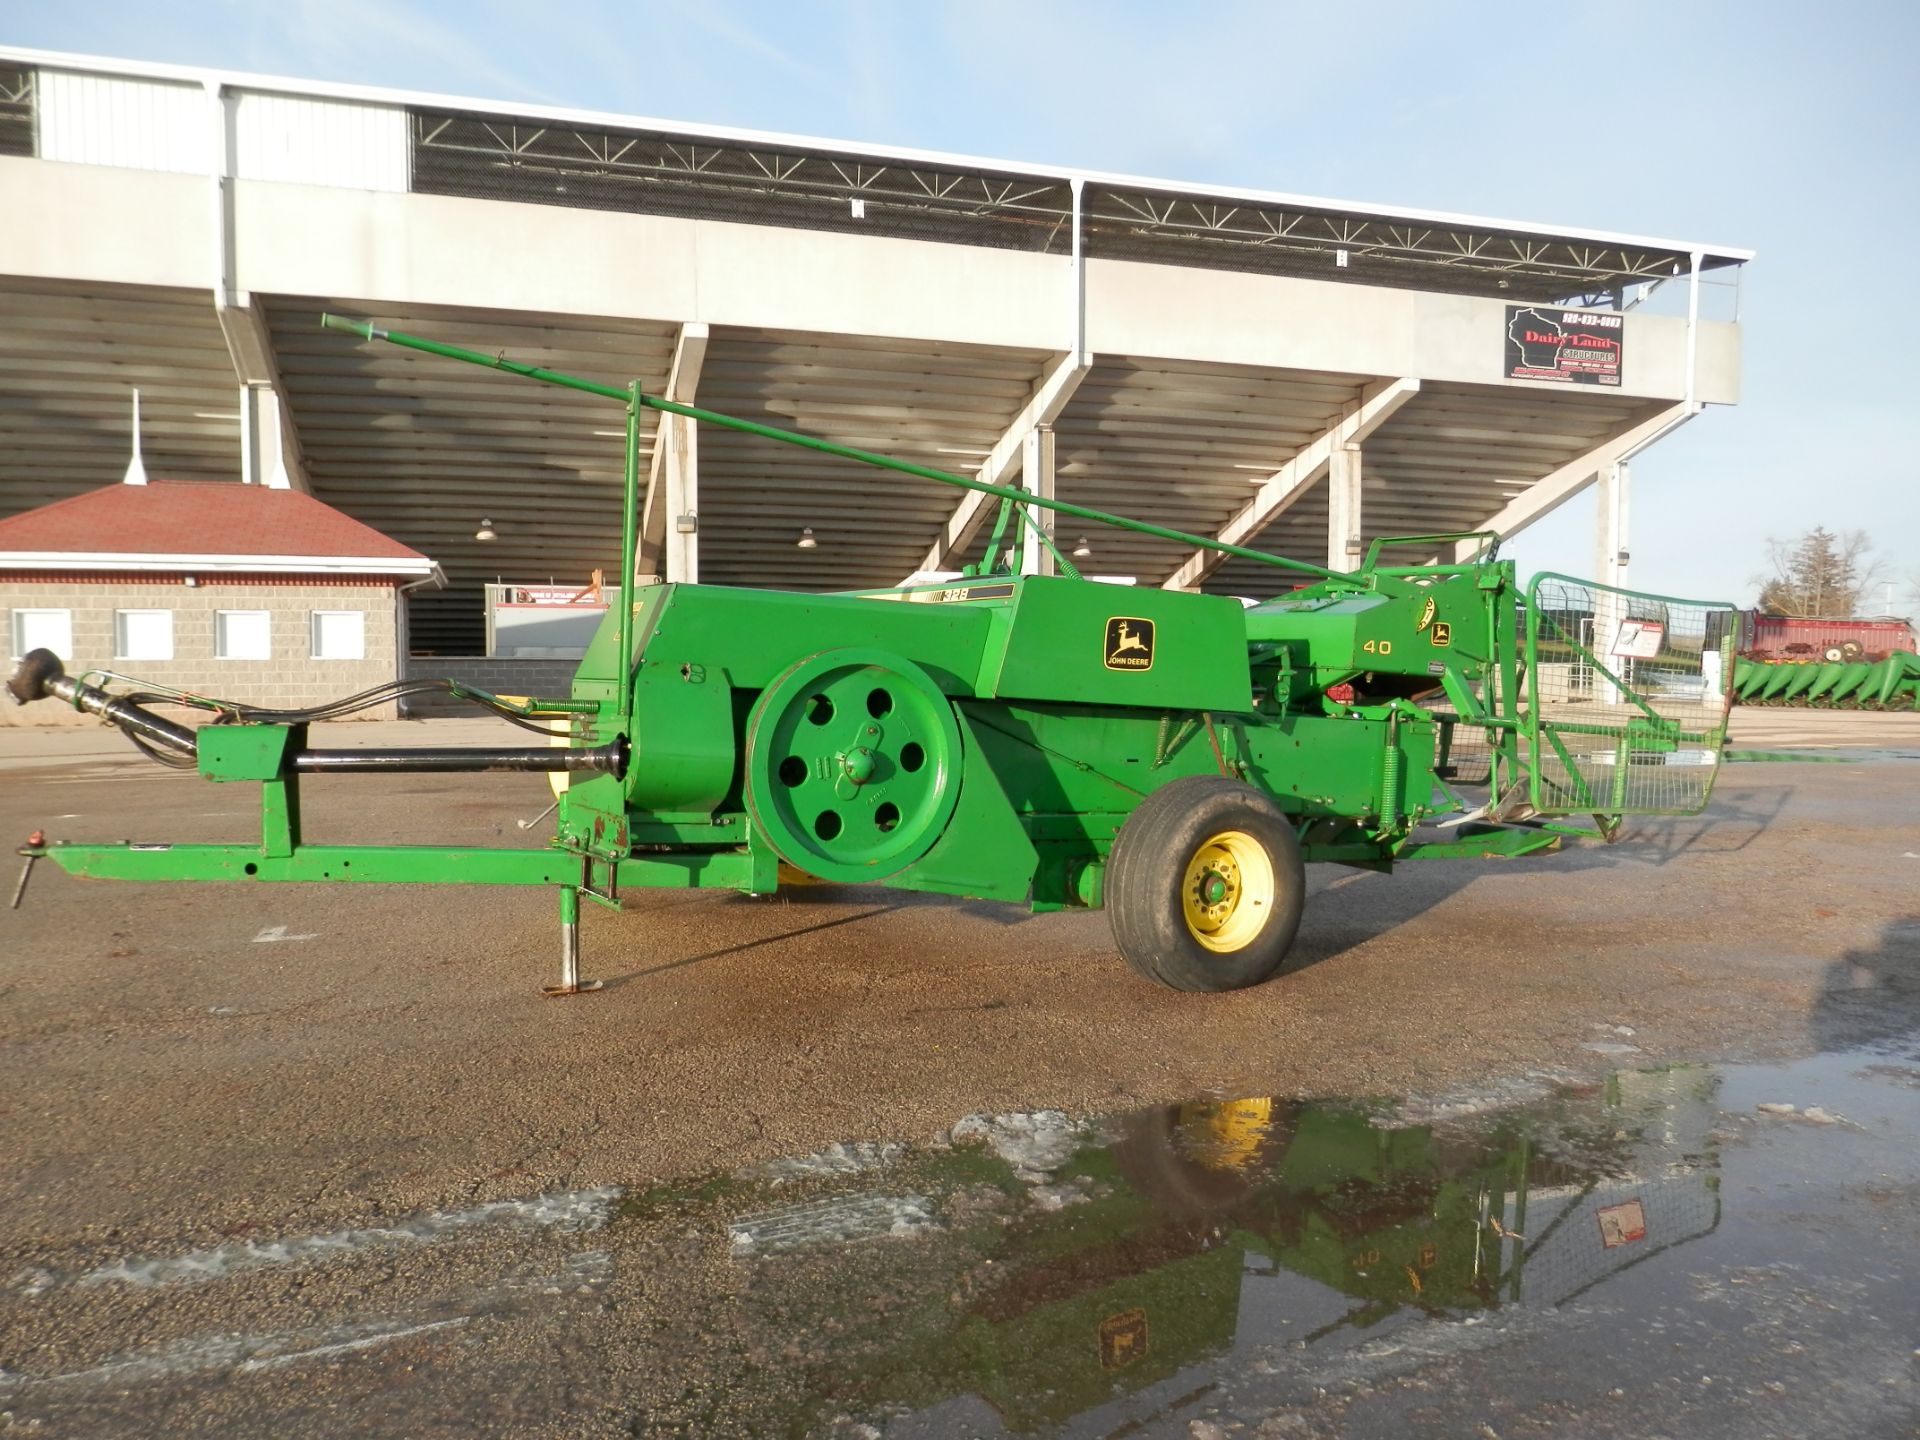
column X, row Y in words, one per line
column 1569, row 347
column 552, row 595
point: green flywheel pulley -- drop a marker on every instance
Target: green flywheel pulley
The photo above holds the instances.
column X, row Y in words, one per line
column 853, row 764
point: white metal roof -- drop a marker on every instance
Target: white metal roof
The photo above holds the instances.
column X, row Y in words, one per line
column 1711, row 254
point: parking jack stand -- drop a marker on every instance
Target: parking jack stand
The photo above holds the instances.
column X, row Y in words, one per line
column 570, row 982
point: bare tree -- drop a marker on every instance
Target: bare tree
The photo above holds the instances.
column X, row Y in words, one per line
column 1820, row 575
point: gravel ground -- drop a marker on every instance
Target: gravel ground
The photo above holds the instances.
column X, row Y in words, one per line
column 191, row 1071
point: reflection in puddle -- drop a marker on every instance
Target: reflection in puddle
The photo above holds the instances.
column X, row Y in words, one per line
column 1031, row 1268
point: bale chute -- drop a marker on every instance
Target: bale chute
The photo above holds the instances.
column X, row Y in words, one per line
column 1627, row 699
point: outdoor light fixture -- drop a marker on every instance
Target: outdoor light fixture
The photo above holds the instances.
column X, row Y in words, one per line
column 1081, row 549
column 806, row 540
column 687, row 524
column 485, row 532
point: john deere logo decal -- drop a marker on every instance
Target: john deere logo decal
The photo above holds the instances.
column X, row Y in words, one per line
column 1123, row 1339
column 1129, row 643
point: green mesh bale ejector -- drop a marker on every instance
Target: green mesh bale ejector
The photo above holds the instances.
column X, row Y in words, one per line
column 1173, row 757
column 1627, row 698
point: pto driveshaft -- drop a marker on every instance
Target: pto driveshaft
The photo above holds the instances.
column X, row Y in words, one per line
column 41, row 674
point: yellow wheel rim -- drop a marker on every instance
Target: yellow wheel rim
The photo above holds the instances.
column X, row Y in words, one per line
column 1228, row 1134
column 1227, row 893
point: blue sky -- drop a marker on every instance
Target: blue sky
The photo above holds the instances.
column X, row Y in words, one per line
column 1791, row 129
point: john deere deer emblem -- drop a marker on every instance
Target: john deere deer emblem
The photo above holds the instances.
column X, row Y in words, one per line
column 1129, row 644
column 1123, row 1339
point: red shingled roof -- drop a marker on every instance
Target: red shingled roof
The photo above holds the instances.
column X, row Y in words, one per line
column 200, row 518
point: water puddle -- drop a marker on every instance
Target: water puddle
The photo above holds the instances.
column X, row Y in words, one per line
column 1204, row 1268
column 1699, row 1251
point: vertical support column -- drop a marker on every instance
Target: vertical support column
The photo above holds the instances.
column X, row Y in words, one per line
column 682, row 541
column 657, row 528
column 263, row 438
column 1693, row 324
column 1081, row 357
column 270, row 452
column 1037, row 478
column 1344, row 546
column 1610, row 554
column 1610, row 567
column 402, row 636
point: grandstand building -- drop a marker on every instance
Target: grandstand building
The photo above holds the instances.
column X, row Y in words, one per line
column 1296, row 374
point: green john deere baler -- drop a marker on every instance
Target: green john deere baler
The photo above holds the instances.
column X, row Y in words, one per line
column 1042, row 739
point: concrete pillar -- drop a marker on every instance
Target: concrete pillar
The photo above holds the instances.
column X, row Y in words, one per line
column 1036, row 464
column 264, row 458
column 1344, row 546
column 1610, row 568
column 1610, row 564
column 681, row 551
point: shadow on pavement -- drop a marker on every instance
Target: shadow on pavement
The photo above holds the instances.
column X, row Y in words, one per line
column 1871, row 998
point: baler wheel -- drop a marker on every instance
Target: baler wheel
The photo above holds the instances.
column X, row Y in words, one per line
column 853, row 764
column 1205, row 885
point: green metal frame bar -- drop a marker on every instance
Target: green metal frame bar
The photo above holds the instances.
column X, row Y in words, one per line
column 1582, row 794
column 280, row 861
column 1067, row 567
column 1500, row 714
column 634, row 398
column 1004, row 492
column 1504, row 843
column 629, row 554
column 990, row 556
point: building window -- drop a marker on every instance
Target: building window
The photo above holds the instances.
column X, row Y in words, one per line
column 339, row 635
column 242, row 634
column 43, row 630
column 143, row 635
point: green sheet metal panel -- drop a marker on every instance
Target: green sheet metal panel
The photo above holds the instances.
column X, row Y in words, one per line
column 754, row 635
column 1083, row 642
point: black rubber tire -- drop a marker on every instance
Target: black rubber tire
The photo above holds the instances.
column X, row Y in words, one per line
column 1149, row 863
